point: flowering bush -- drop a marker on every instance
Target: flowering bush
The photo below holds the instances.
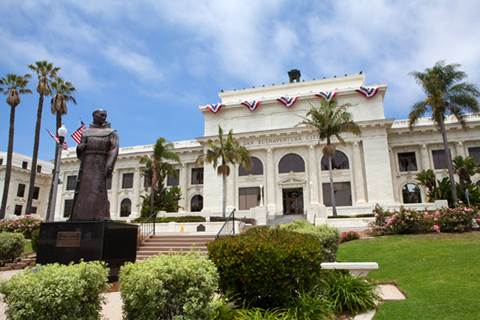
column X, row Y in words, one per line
column 410, row 221
column 349, row 236
column 24, row 225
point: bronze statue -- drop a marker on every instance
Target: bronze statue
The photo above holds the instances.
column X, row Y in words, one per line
column 97, row 151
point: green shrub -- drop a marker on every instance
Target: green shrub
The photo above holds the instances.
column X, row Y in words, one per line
column 328, row 236
column 173, row 219
column 168, row 287
column 24, row 225
column 456, row 219
column 246, row 220
column 221, row 309
column 349, row 294
column 266, row 267
column 56, row 291
column 11, row 246
column 35, row 238
column 259, row 314
column 311, row 306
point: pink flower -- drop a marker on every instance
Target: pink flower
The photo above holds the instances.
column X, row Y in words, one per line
column 436, row 228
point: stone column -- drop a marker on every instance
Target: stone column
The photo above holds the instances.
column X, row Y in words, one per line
column 312, row 178
column 424, row 157
column 270, row 173
column 358, row 178
column 460, row 148
column 183, row 179
column 136, row 203
column 114, row 212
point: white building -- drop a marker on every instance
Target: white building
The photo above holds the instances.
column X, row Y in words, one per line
column 288, row 175
column 19, row 184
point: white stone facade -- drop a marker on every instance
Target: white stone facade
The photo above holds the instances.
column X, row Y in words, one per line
column 17, row 194
column 373, row 174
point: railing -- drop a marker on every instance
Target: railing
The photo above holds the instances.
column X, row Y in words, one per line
column 227, row 228
column 146, row 229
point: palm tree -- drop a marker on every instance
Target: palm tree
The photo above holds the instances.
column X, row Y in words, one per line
column 13, row 86
column 330, row 120
column 159, row 165
column 445, row 95
column 63, row 94
column 225, row 150
column 46, row 73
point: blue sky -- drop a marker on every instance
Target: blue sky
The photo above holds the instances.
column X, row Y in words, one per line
column 151, row 63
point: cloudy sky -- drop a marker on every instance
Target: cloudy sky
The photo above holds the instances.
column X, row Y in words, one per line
column 151, row 63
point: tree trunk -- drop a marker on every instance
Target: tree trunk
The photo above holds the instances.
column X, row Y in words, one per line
column 8, row 169
column 57, row 160
column 224, row 195
column 332, row 191
column 449, row 162
column 36, row 146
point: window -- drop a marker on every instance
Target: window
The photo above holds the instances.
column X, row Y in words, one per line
column 197, row 176
column 67, row 208
column 18, row 210
column 474, row 152
column 256, row 168
column 342, row 192
column 196, row 204
column 127, row 181
column 36, row 193
column 39, row 169
column 24, row 164
column 109, row 183
column 439, row 159
column 248, row 198
column 33, row 210
column 21, row 190
column 125, row 208
column 411, row 193
column 291, row 163
column 71, row 182
column 1, row 161
column 172, row 179
column 339, row 161
column 147, row 180
column 407, row 161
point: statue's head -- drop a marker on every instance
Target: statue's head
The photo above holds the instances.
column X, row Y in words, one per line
column 99, row 117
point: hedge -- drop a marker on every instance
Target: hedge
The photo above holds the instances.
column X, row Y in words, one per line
column 56, row 291
column 11, row 246
column 24, row 225
column 169, row 287
column 173, row 219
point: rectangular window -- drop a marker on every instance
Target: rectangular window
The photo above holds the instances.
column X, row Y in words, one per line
column 248, row 198
column 342, row 192
column 33, row 210
column 127, row 181
column 474, row 152
column 71, row 182
column 21, row 190
column 67, row 208
column 1, row 161
column 407, row 161
column 109, row 183
column 147, row 180
column 36, row 193
column 439, row 159
column 18, row 210
column 39, row 169
column 24, row 164
column 172, row 179
column 197, row 175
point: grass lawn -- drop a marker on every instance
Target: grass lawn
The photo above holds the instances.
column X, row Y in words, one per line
column 439, row 273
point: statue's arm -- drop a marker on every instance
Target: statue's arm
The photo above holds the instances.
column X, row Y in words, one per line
column 113, row 153
column 81, row 147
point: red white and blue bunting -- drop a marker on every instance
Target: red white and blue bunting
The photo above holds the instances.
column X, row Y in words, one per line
column 287, row 101
column 251, row 105
column 327, row 95
column 214, row 107
column 368, row 92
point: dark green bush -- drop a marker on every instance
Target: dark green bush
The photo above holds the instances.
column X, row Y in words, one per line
column 173, row 219
column 251, row 221
column 169, row 287
column 11, row 246
column 35, row 238
column 311, row 306
column 266, row 267
column 54, row 292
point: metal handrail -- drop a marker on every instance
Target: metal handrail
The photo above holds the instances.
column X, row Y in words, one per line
column 224, row 228
column 147, row 228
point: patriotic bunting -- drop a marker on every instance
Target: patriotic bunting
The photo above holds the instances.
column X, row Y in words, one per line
column 77, row 134
column 57, row 140
column 287, row 101
column 251, row 105
column 327, row 95
column 214, row 107
column 368, row 92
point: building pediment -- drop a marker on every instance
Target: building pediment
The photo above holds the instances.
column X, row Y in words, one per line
column 291, row 180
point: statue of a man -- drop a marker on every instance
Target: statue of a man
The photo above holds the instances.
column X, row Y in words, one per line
column 97, row 151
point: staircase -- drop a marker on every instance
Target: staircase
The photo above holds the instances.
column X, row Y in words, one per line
column 178, row 243
column 285, row 219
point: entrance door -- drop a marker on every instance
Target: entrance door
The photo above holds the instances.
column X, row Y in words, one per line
column 293, row 201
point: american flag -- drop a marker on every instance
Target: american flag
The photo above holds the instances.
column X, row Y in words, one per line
column 77, row 134
column 54, row 137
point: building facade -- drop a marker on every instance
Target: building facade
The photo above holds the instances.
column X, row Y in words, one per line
column 289, row 174
column 19, row 185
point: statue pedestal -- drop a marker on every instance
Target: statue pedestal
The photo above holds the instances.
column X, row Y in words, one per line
column 72, row 241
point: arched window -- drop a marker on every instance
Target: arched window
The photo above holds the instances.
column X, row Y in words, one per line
column 291, row 163
column 125, row 208
column 411, row 193
column 256, row 168
column 196, row 204
column 339, row 161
